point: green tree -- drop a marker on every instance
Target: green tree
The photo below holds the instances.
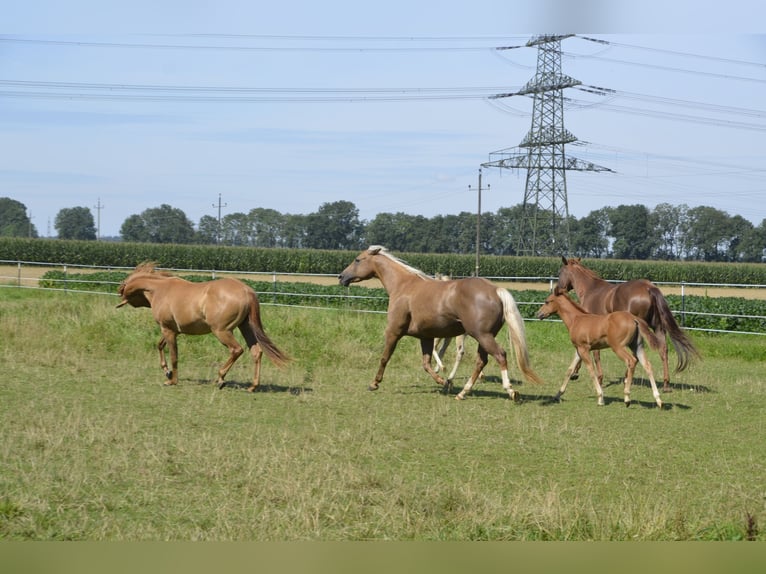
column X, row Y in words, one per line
column 505, row 230
column 633, row 235
column 706, row 234
column 589, row 235
column 75, row 223
column 334, row 226
column 163, row 224
column 267, row 225
column 667, row 221
column 237, row 229
column 207, row 230
column 14, row 221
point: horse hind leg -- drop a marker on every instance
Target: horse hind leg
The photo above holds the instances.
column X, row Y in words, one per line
column 482, row 358
column 584, row 354
column 163, row 362
column 427, row 349
column 235, row 351
column 647, row 365
column 255, row 351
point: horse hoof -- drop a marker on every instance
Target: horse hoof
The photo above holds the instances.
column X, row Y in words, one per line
column 372, row 388
column 221, row 385
column 168, row 375
column 627, row 403
column 460, row 397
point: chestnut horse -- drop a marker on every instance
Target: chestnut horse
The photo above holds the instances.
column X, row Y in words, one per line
column 182, row 307
column 619, row 330
column 639, row 296
column 426, row 308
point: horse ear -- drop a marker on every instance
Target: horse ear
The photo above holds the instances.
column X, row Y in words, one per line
column 564, row 260
column 374, row 249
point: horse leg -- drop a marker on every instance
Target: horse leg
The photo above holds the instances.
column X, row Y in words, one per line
column 644, row 360
column 255, row 351
column 163, row 363
column 235, row 351
column 427, row 349
column 481, row 362
column 459, row 352
column 171, row 339
column 440, row 345
column 584, row 353
column 573, row 368
column 630, row 362
column 663, row 351
column 388, row 350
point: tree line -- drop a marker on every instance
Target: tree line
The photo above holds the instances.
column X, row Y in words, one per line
column 667, row 232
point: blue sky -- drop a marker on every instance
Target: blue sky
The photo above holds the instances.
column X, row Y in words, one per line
column 288, row 106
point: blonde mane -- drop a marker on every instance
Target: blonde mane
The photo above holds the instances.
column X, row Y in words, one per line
column 380, row 250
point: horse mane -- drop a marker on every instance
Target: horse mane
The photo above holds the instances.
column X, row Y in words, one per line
column 380, row 250
column 151, row 268
column 589, row 272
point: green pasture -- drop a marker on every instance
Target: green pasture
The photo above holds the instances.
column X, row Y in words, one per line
column 94, row 447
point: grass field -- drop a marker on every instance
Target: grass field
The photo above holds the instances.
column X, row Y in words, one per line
column 94, row 447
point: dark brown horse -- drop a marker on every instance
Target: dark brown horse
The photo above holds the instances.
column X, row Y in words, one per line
column 619, row 330
column 426, row 308
column 217, row 307
column 640, row 297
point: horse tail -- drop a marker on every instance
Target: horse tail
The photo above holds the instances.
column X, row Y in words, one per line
column 278, row 357
column 663, row 317
column 643, row 330
column 516, row 335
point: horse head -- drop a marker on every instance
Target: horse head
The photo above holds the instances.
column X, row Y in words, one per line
column 552, row 303
column 133, row 290
column 566, row 278
column 362, row 267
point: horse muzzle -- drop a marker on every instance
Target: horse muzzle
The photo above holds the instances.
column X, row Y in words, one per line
column 346, row 280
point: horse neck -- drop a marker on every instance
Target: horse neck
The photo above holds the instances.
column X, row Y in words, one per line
column 586, row 282
column 568, row 310
column 392, row 275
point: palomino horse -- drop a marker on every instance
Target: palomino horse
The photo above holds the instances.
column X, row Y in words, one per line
column 590, row 332
column 426, row 308
column 218, row 307
column 639, row 296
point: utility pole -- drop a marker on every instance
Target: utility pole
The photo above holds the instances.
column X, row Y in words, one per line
column 218, row 230
column 98, row 207
column 544, row 228
column 478, row 225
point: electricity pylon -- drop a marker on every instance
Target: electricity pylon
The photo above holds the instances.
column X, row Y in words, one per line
column 544, row 228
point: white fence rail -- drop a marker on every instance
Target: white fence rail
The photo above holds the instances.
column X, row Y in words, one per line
column 27, row 274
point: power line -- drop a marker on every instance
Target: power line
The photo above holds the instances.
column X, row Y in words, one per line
column 676, row 53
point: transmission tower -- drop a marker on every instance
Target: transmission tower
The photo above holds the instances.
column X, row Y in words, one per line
column 544, row 228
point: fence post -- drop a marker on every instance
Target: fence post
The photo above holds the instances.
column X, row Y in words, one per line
column 683, row 304
column 66, row 283
column 274, row 287
column 18, row 280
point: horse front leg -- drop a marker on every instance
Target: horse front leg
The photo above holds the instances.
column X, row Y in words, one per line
column 388, row 350
column 427, row 349
column 574, row 366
